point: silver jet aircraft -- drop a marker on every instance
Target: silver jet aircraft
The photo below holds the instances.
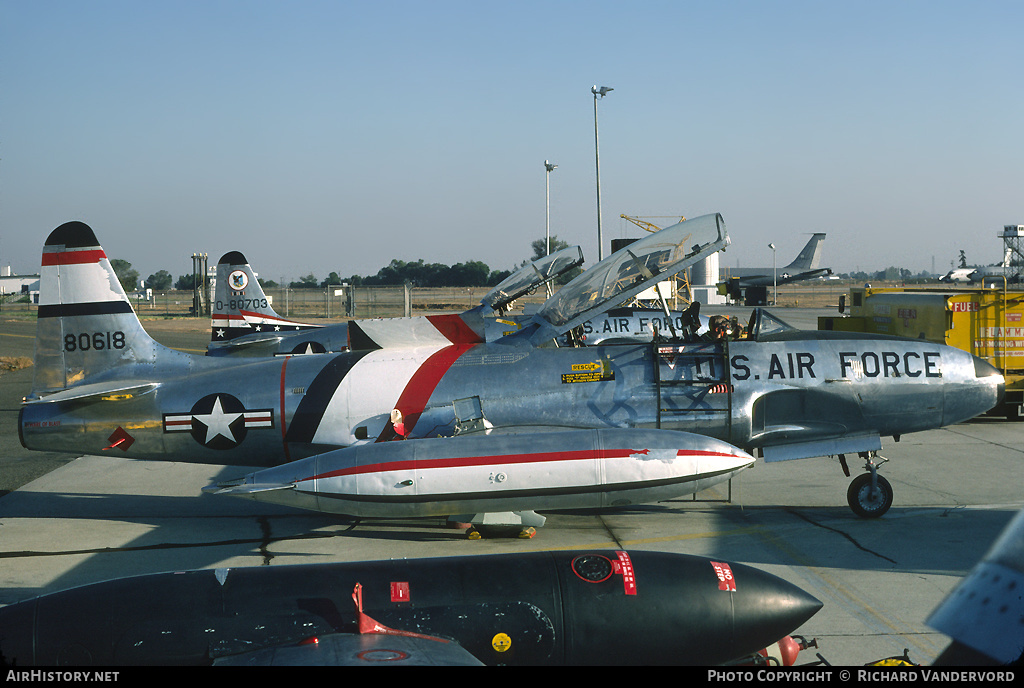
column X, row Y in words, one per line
column 513, row 425
column 245, row 323
column 532, row 434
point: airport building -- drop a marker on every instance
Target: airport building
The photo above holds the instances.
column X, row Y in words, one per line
column 14, row 287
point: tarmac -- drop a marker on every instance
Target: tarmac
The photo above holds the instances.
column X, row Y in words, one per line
column 67, row 521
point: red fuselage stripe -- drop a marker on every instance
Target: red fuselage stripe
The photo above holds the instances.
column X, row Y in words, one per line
column 422, row 384
column 463, row 462
column 73, row 257
column 454, row 328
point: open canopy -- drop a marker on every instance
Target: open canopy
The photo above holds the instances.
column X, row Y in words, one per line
column 629, row 271
column 529, row 277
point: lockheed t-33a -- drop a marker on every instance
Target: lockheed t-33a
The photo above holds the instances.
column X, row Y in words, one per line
column 510, row 426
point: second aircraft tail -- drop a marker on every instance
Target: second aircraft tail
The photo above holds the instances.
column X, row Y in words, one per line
column 240, row 307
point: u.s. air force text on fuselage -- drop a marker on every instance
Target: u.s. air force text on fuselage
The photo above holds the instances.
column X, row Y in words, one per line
column 852, row 364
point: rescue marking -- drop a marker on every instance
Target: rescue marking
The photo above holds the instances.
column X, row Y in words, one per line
column 594, row 371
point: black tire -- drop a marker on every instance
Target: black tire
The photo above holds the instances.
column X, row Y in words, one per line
column 863, row 503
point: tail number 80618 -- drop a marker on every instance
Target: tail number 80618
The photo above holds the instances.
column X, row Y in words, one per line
column 94, row 341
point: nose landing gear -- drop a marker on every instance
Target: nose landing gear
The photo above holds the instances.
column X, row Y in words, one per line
column 869, row 494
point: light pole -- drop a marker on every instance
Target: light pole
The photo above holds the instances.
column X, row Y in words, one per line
column 548, row 166
column 775, row 279
column 547, row 206
column 597, row 162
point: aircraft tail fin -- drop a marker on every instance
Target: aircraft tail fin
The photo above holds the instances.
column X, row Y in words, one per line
column 86, row 326
column 810, row 255
column 240, row 306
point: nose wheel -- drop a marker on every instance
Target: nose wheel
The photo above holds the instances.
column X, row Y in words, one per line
column 870, row 495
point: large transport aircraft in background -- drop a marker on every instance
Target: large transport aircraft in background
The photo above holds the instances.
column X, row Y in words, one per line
column 803, row 267
column 495, row 427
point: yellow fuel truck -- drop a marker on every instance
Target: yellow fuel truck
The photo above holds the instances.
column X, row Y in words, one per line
column 989, row 323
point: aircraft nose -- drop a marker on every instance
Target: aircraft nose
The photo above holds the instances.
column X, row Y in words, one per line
column 984, row 369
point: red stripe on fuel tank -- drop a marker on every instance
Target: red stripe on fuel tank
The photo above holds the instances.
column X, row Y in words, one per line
column 462, row 462
column 73, row 257
column 455, row 329
column 421, row 385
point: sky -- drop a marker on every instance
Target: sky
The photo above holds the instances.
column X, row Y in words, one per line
column 319, row 137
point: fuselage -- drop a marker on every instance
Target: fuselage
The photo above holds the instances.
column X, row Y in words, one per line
column 749, row 393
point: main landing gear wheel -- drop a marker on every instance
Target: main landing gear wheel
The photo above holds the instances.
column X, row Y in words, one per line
column 867, row 502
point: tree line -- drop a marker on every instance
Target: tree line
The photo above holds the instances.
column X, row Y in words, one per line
column 419, row 273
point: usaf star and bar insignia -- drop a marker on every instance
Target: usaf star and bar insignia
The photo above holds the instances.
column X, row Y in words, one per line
column 218, row 421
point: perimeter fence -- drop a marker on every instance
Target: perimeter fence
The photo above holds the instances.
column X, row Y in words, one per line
column 339, row 303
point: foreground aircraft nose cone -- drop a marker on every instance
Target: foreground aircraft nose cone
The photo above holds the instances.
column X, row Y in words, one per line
column 766, row 604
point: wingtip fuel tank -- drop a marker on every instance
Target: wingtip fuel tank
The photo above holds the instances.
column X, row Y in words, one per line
column 542, row 608
column 573, row 469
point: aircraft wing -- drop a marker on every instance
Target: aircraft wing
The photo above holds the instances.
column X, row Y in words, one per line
column 245, row 489
column 363, row 649
column 527, row 278
column 629, row 271
column 102, row 391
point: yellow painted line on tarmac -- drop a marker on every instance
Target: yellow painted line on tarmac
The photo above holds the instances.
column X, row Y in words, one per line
column 694, row 536
column 866, row 607
column 32, row 336
column 611, row 544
